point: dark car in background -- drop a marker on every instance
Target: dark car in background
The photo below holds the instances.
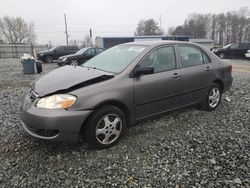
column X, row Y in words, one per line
column 79, row 57
column 56, row 52
column 235, row 50
column 96, row 101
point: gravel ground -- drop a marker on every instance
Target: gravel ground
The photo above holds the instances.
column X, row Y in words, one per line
column 185, row 148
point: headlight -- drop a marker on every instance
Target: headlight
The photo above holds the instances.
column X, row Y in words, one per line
column 64, row 59
column 58, row 101
column 40, row 55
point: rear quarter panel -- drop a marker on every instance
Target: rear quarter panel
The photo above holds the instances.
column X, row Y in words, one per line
column 222, row 70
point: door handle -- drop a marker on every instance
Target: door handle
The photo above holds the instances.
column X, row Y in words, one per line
column 208, row 68
column 176, row 75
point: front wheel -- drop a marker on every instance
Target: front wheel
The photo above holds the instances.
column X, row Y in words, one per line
column 74, row 62
column 222, row 55
column 212, row 98
column 104, row 128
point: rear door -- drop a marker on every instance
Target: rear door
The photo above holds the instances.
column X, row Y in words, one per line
column 196, row 71
column 235, row 50
column 160, row 91
column 244, row 48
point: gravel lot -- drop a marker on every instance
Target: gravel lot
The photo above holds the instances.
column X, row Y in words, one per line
column 185, row 148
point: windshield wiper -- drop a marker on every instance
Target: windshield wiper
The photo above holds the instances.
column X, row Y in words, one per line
column 89, row 67
column 97, row 69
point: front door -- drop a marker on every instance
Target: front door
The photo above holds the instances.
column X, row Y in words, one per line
column 87, row 55
column 160, row 91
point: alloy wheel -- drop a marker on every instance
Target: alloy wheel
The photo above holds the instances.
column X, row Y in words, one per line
column 108, row 129
column 74, row 63
column 214, row 97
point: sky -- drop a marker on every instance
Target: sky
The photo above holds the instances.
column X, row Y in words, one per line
column 106, row 17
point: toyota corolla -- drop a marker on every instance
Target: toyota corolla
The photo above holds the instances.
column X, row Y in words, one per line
column 127, row 83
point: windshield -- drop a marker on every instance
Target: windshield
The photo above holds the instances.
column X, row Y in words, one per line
column 227, row 46
column 115, row 59
column 80, row 52
column 51, row 49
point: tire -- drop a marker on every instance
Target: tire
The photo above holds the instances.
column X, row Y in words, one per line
column 222, row 55
column 212, row 98
column 105, row 127
column 73, row 62
column 48, row 59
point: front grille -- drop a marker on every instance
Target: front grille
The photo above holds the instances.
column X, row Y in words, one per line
column 47, row 133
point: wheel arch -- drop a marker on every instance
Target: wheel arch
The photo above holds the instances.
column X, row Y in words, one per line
column 220, row 83
column 116, row 103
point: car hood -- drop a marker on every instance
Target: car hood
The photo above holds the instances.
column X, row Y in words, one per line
column 69, row 56
column 68, row 78
column 43, row 52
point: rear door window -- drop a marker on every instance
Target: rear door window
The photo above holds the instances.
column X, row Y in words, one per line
column 234, row 46
column 99, row 50
column 60, row 49
column 190, row 56
column 244, row 46
column 90, row 52
column 70, row 48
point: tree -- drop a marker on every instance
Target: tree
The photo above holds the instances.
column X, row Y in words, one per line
column 87, row 41
column 171, row 30
column 196, row 26
column 16, row 30
column 179, row 30
column 223, row 28
column 148, row 27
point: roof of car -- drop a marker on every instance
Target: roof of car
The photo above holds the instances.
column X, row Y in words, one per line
column 156, row 43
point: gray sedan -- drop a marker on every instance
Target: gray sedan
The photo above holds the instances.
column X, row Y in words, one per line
column 119, row 87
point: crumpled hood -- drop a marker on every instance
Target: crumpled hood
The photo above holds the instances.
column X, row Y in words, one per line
column 68, row 78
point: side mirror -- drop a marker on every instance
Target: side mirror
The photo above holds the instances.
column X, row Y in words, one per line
column 143, row 70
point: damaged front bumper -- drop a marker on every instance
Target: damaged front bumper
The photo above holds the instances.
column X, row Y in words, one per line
column 56, row 124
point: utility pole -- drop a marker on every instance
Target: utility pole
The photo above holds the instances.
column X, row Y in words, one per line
column 90, row 33
column 160, row 21
column 66, row 30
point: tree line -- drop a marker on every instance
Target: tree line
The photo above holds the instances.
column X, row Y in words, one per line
column 223, row 28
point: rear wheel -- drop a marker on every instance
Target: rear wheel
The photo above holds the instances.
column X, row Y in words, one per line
column 212, row 98
column 105, row 127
